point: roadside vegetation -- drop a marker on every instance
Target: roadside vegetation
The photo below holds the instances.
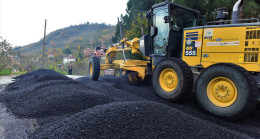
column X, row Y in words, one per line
column 5, row 59
column 7, row 72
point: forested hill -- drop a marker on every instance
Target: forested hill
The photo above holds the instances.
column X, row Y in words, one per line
column 83, row 35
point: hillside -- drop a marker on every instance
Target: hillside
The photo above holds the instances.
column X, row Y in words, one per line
column 83, row 35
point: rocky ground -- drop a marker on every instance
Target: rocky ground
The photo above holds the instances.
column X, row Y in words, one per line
column 46, row 104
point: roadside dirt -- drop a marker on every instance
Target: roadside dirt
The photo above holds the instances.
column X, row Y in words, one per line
column 59, row 107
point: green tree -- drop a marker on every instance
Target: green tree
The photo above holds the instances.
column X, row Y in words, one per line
column 136, row 25
column 116, row 37
column 5, row 54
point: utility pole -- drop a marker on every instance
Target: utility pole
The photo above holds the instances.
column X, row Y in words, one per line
column 43, row 50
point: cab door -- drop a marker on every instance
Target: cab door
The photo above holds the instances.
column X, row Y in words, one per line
column 160, row 41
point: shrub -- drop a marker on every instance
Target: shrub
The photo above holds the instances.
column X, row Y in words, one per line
column 5, row 72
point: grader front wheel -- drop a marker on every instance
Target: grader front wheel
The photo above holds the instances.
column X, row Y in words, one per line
column 168, row 79
column 172, row 79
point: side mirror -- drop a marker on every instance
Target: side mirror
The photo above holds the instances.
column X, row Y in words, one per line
column 167, row 19
column 154, row 31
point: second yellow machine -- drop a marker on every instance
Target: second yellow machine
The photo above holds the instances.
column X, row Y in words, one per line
column 225, row 53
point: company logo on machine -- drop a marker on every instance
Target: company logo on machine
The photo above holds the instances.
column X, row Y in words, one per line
column 208, row 34
column 188, row 41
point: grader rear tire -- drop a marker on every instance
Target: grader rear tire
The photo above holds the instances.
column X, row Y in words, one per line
column 172, row 79
column 227, row 91
column 94, row 68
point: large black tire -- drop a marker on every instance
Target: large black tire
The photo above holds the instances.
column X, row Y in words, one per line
column 94, row 68
column 227, row 91
column 183, row 84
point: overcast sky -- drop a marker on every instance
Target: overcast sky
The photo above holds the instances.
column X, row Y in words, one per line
column 22, row 21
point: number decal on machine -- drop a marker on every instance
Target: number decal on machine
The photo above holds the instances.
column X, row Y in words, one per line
column 190, row 53
column 190, row 49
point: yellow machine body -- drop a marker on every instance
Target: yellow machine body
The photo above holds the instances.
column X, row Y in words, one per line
column 139, row 66
column 205, row 46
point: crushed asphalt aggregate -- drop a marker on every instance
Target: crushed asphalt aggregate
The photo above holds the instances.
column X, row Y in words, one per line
column 111, row 108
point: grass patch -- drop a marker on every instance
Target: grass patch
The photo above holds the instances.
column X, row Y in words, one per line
column 5, row 72
column 19, row 73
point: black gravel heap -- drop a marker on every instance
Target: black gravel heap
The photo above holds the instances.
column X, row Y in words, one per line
column 39, row 72
column 54, row 98
column 37, row 94
column 35, row 77
column 111, row 108
column 134, row 119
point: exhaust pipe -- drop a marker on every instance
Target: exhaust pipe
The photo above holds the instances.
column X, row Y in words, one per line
column 236, row 10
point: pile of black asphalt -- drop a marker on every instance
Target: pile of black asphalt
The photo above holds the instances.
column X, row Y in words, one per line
column 111, row 108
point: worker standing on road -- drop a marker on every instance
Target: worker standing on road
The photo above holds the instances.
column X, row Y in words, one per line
column 70, row 69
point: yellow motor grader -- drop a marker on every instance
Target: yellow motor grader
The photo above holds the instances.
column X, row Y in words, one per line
column 224, row 52
column 135, row 69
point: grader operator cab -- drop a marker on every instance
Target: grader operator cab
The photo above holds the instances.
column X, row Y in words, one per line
column 224, row 52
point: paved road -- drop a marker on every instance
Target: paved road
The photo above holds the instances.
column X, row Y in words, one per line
column 6, row 80
column 74, row 76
